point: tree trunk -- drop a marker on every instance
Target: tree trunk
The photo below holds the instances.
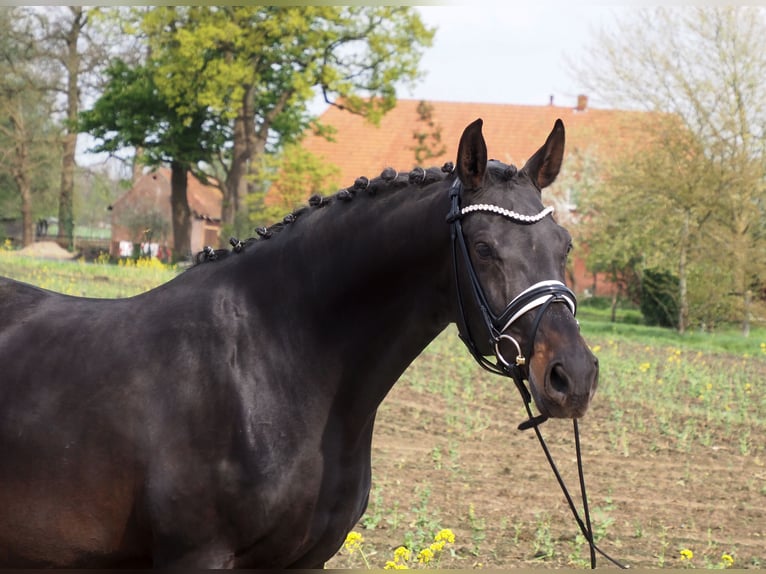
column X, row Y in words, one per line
column 746, row 318
column 72, row 65
column 25, row 189
column 615, row 302
column 20, row 171
column 138, row 165
column 180, row 211
column 28, row 234
column 66, row 195
column 236, row 188
column 683, row 302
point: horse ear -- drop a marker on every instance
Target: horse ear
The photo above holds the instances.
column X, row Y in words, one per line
column 472, row 156
column 544, row 166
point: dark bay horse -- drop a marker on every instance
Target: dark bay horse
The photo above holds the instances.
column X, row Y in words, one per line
column 224, row 419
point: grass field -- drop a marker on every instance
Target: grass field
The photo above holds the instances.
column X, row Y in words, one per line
column 86, row 279
column 674, row 447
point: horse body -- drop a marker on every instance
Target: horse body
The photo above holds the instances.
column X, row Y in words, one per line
column 224, row 419
column 166, row 436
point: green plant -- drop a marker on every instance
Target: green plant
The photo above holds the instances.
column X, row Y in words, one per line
column 374, row 513
column 544, row 548
column 659, row 302
column 478, row 528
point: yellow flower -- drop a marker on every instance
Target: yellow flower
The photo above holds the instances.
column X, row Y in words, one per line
column 727, row 560
column 686, row 554
column 596, row 349
column 425, row 555
column 643, row 367
column 437, row 546
column 391, row 565
column 402, row 554
column 445, row 534
column 353, row 542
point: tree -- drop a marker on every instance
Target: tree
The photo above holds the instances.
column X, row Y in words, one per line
column 26, row 132
column 428, row 141
column 258, row 67
column 649, row 211
column 132, row 112
column 67, row 56
column 289, row 178
column 707, row 67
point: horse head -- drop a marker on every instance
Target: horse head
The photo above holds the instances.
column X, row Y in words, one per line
column 510, row 260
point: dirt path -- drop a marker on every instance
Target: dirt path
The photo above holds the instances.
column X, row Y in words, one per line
column 491, row 485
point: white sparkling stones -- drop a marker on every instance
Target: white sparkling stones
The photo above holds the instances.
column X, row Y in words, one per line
column 513, row 215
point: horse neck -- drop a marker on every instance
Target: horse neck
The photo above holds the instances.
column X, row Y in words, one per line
column 367, row 284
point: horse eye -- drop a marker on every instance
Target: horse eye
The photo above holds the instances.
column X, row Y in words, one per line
column 483, row 250
column 569, row 248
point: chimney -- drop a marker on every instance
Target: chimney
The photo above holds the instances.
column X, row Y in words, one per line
column 582, row 103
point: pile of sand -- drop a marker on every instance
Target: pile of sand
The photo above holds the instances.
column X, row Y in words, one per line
column 47, row 250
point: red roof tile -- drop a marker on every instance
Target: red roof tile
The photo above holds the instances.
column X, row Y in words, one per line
column 513, row 133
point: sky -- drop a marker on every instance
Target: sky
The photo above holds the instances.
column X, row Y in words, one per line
column 519, row 51
column 508, row 52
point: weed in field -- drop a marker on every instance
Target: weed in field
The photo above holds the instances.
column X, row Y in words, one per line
column 426, row 520
column 662, row 537
column 404, row 558
column 353, row 544
column 394, row 517
column 542, row 543
column 436, row 457
column 478, row 529
column 374, row 513
column 576, row 557
column 638, row 529
column 686, row 556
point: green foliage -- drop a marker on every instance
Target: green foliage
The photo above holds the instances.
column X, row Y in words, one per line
column 289, row 179
column 221, row 55
column 659, row 302
column 132, row 112
column 29, row 137
column 256, row 68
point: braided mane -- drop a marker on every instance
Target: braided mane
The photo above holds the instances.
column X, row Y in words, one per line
column 387, row 180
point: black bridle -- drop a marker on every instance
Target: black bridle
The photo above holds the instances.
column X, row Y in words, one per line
column 540, row 296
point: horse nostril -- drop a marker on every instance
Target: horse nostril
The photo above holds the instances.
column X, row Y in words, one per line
column 559, row 379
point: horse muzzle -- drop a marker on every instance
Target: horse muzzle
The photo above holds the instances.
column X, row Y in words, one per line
column 563, row 371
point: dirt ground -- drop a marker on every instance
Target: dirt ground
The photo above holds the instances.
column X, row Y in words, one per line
column 47, row 250
column 492, row 486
